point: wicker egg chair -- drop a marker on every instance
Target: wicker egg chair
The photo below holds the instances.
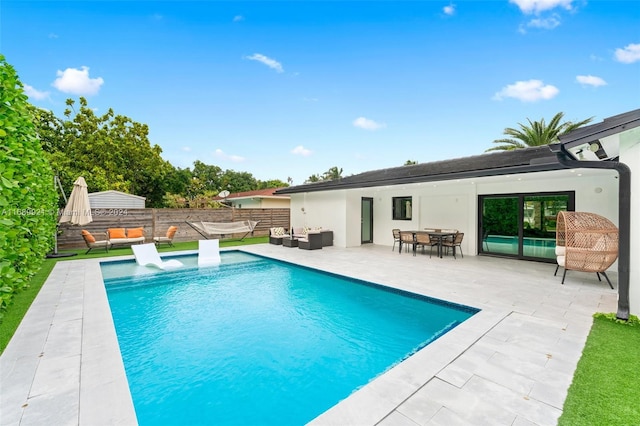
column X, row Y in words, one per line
column 585, row 242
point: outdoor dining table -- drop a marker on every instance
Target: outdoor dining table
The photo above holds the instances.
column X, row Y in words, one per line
column 441, row 237
column 438, row 236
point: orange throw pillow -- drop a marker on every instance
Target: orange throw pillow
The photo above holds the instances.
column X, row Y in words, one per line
column 135, row 232
column 116, row 233
column 88, row 237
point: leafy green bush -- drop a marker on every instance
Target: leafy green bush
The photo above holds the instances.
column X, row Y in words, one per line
column 27, row 194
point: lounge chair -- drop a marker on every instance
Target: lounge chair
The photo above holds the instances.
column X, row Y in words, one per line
column 209, row 252
column 168, row 238
column 585, row 242
column 147, row 255
column 93, row 243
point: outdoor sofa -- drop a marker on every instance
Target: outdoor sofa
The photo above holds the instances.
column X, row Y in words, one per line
column 125, row 236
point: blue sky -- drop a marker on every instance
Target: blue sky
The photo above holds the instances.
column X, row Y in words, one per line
column 290, row 89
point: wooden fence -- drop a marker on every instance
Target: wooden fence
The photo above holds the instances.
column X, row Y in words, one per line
column 157, row 221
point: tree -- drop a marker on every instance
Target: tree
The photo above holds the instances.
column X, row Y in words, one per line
column 410, row 163
column 313, row 178
column 538, row 133
column 273, row 183
column 234, row 181
column 111, row 151
column 333, row 173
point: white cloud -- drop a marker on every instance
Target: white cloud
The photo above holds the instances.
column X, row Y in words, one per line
column 367, row 124
column 590, row 80
column 527, row 91
column 35, row 94
column 77, row 82
column 238, row 18
column 449, row 10
column 537, row 6
column 271, row 63
column 235, row 158
column 186, row 148
column 301, row 150
column 545, row 23
column 629, row 54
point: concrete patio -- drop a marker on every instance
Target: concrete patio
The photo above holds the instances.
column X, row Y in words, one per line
column 510, row 364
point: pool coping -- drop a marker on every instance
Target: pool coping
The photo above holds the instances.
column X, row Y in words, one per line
column 64, row 364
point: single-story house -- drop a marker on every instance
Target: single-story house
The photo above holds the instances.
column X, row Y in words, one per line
column 504, row 202
column 115, row 200
column 258, row 199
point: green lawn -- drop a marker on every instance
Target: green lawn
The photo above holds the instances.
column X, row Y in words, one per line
column 606, row 384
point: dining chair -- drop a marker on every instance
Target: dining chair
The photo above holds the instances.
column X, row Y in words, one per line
column 396, row 237
column 423, row 239
column 407, row 238
column 457, row 242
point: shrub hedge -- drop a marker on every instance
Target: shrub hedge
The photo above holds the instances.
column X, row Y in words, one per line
column 27, row 194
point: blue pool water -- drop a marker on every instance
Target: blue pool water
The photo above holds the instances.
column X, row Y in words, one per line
column 258, row 342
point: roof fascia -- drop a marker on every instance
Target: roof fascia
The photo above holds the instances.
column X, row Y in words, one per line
column 608, row 127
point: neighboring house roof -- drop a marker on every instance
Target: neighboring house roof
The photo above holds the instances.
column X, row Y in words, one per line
column 113, row 192
column 491, row 164
column 259, row 193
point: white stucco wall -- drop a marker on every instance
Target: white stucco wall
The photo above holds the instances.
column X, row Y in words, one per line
column 451, row 204
column 246, row 203
column 260, row 203
column 630, row 155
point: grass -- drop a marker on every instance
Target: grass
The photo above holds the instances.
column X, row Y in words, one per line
column 605, row 388
column 21, row 301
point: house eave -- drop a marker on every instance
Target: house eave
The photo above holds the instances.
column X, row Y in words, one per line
column 538, row 165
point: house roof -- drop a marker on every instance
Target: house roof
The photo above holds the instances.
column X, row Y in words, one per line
column 259, row 193
column 113, row 192
column 491, row 164
column 601, row 141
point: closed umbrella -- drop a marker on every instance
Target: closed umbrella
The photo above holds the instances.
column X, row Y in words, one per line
column 78, row 210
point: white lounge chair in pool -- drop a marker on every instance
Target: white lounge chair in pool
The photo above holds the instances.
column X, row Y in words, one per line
column 147, row 255
column 208, row 252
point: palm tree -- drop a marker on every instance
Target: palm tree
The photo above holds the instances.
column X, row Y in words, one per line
column 333, row 173
column 536, row 134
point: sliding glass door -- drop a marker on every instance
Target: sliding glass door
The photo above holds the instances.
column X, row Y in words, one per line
column 521, row 225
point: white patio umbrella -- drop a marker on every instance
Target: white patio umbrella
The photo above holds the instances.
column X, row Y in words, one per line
column 78, row 210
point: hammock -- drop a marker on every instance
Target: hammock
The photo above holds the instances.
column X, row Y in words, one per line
column 208, row 229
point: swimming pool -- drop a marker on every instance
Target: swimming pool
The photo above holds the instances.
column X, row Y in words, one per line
column 257, row 341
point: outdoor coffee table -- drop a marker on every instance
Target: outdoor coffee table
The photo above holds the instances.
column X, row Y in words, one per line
column 290, row 242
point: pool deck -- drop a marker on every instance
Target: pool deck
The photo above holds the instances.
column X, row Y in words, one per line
column 510, row 364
